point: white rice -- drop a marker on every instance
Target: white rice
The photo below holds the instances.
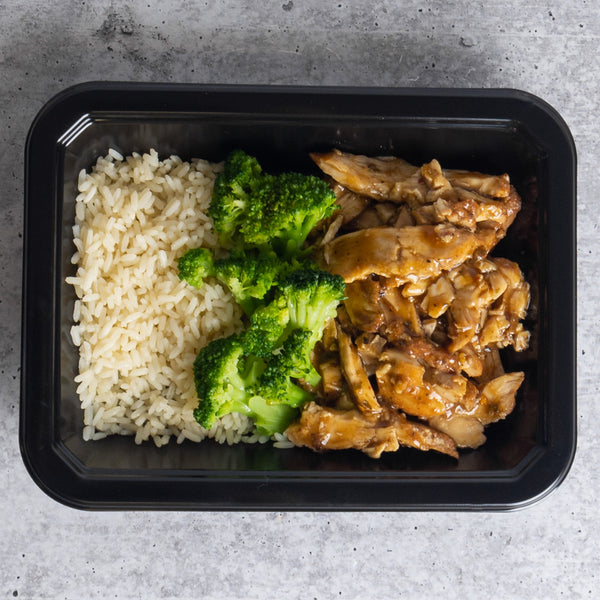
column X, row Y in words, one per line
column 137, row 326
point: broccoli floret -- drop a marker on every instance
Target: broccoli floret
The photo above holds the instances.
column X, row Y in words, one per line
column 295, row 356
column 290, row 206
column 226, row 382
column 312, row 297
column 264, row 220
column 248, row 275
column 196, row 265
column 291, row 362
column 223, row 381
column 252, row 208
column 233, row 193
column 267, row 327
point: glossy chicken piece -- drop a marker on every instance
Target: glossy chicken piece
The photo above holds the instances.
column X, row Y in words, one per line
column 356, row 376
column 495, row 402
column 321, row 428
column 376, row 304
column 351, row 204
column 463, row 198
column 332, row 379
column 370, row 347
column 489, row 299
column 363, row 304
column 406, row 254
column 497, row 399
column 405, row 383
column 391, row 178
column 382, row 178
column 489, row 202
column 401, row 319
column 466, row 431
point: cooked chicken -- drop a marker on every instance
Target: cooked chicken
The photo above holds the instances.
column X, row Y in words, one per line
column 498, row 398
column 400, row 317
column 390, row 178
column 466, row 431
column 351, row 204
column 466, row 199
column 489, row 300
column 356, row 376
column 332, row 379
column 382, row 178
column 496, row 402
column 363, row 304
column 321, row 428
column 406, row 254
column 409, row 384
column 412, row 358
column 370, row 347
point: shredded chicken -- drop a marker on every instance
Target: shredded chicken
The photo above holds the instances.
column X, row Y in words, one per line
column 405, row 254
column 322, row 428
column 413, row 356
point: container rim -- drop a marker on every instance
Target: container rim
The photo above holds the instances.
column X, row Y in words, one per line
column 45, row 457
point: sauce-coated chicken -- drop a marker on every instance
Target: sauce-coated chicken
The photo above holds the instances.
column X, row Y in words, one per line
column 412, row 359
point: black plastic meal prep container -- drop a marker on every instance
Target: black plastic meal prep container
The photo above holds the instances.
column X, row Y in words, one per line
column 526, row 456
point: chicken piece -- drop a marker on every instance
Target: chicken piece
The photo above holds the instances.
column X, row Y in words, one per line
column 401, row 383
column 463, row 198
column 466, row 431
column 332, row 380
column 403, row 217
column 491, row 298
column 390, row 178
column 332, row 229
column 503, row 326
column 356, row 376
column 497, row 399
column 381, row 178
column 432, row 355
column 496, row 402
column 406, row 254
column 387, row 212
column 321, row 428
column 351, row 204
column 491, row 366
column 362, row 304
column 496, row 186
column 470, row 361
column 438, row 297
column 370, row 347
column 401, row 319
column 424, row 381
column 370, row 217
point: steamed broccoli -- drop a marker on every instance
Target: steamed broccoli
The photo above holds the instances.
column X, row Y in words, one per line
column 312, row 297
column 292, row 360
column 263, row 221
column 266, row 329
column 233, row 194
column 226, row 380
column 248, row 275
column 252, row 208
column 255, row 372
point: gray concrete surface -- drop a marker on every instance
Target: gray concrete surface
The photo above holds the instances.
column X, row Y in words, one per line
column 550, row 550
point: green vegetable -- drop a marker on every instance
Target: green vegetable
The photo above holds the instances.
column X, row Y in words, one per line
column 226, row 382
column 253, row 209
column 312, row 297
column 263, row 221
column 248, row 275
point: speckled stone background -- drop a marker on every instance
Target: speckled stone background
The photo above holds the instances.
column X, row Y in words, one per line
column 550, row 550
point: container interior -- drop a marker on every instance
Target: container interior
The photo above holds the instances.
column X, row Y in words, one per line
column 283, row 143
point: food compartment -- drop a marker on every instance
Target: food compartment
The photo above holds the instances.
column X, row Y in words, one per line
column 281, row 132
